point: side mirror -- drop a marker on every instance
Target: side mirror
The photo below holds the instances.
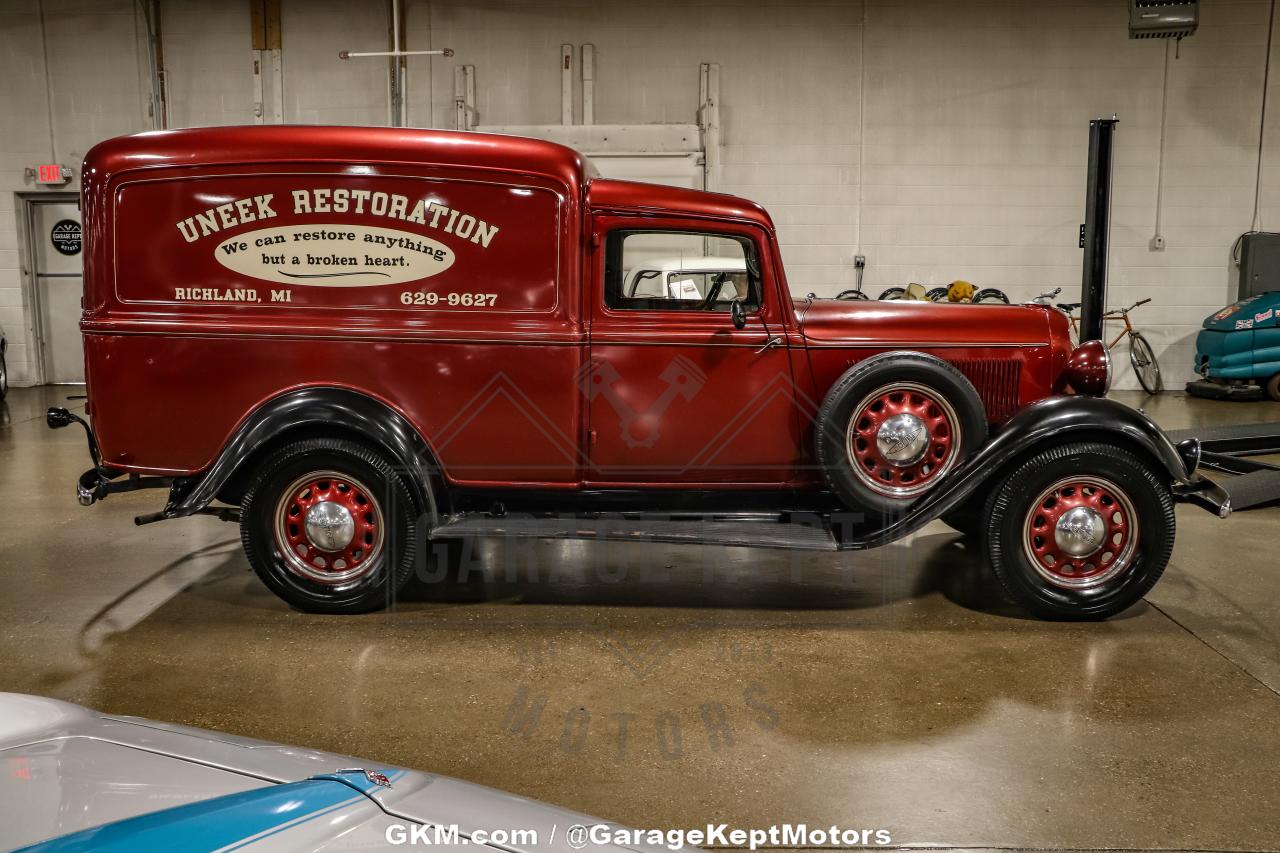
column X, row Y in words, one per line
column 738, row 312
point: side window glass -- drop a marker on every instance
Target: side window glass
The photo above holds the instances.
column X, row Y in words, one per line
column 680, row 271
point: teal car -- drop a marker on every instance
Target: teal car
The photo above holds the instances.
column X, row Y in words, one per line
column 1238, row 351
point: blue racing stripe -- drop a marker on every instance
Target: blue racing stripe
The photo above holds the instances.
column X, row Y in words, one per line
column 212, row 824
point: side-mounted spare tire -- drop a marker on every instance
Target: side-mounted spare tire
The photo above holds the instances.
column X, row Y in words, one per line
column 893, row 426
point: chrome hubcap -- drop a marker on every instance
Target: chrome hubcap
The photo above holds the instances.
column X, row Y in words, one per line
column 1080, row 531
column 902, row 439
column 330, row 526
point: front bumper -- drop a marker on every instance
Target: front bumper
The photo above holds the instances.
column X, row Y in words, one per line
column 1204, row 493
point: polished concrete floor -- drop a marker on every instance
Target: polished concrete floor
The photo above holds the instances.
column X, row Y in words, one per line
column 672, row 686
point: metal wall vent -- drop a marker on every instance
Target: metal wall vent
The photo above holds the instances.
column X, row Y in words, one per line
column 1163, row 19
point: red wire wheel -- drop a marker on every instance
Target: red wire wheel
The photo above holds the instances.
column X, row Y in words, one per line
column 329, row 528
column 902, row 438
column 1081, row 532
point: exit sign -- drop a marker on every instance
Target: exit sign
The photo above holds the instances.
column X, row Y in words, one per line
column 52, row 173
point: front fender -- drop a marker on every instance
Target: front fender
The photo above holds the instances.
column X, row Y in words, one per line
column 315, row 407
column 1041, row 425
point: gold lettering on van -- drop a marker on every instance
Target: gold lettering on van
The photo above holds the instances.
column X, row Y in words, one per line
column 427, row 212
column 224, row 216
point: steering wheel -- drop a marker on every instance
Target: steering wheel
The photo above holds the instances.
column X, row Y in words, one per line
column 717, row 284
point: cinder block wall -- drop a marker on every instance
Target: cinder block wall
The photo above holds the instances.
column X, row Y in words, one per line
column 943, row 140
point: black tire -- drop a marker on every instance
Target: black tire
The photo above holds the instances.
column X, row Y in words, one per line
column 892, row 293
column 1145, row 365
column 390, row 558
column 4, row 376
column 991, row 295
column 1137, row 567
column 852, row 295
column 871, row 482
column 1273, row 388
column 937, row 294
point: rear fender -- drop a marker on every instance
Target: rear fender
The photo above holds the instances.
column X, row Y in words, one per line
column 315, row 408
column 1044, row 424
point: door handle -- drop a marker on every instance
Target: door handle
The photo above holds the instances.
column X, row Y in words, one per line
column 774, row 341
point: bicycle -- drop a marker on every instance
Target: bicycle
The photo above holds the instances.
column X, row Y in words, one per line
column 1145, row 365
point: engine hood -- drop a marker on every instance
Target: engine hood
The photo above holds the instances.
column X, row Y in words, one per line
column 898, row 323
column 75, row 775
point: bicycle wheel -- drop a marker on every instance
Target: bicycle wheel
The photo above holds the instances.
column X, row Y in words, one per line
column 991, row 295
column 1145, row 366
column 936, row 294
column 893, row 293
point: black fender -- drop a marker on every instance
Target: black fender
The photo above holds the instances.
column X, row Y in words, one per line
column 373, row 420
column 1041, row 425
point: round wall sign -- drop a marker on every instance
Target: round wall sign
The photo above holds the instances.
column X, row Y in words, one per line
column 66, row 237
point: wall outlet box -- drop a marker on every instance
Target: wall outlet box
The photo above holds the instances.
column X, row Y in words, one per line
column 1157, row 243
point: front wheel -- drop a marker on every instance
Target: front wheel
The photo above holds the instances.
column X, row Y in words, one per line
column 1080, row 532
column 329, row 526
column 1143, row 359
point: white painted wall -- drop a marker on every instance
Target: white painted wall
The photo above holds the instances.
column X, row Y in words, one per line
column 943, row 139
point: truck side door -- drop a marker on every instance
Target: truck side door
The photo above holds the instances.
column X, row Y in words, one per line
column 679, row 396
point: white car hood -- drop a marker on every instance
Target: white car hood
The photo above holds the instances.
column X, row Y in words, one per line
column 64, row 768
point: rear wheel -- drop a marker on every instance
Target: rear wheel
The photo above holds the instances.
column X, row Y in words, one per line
column 4, row 376
column 1143, row 359
column 329, row 526
column 1080, row 532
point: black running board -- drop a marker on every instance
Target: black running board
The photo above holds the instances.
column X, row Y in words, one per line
column 810, row 532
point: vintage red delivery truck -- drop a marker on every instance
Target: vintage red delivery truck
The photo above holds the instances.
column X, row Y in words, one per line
column 356, row 341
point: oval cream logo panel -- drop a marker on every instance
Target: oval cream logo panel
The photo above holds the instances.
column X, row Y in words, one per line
column 333, row 255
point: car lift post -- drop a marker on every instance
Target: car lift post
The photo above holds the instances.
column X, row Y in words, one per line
column 1096, row 228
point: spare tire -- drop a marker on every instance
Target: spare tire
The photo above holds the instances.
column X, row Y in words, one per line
column 893, row 426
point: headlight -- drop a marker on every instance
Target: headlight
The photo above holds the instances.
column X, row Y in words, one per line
column 1088, row 370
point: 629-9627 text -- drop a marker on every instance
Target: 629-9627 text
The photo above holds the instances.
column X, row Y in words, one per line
column 453, row 300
